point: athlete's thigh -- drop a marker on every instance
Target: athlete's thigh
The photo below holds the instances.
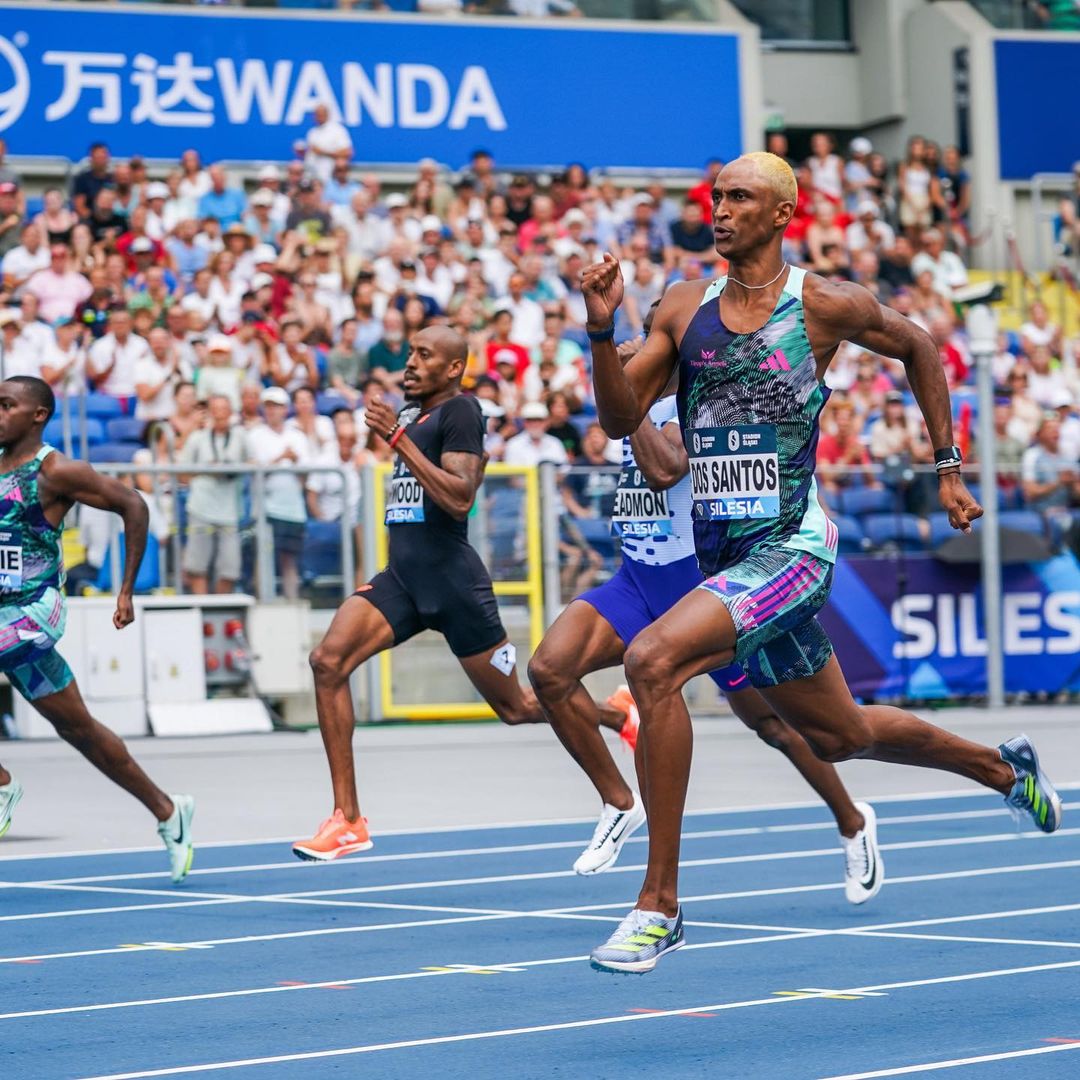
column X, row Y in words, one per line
column 818, row 703
column 579, row 641
column 695, row 636
column 494, row 674
column 358, row 631
column 749, row 706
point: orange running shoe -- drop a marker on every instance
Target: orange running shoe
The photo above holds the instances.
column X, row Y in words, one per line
column 623, row 700
column 336, row 837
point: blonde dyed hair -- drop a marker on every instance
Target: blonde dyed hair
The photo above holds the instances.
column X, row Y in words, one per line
column 776, row 172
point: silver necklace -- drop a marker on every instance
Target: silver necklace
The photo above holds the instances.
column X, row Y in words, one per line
column 767, row 283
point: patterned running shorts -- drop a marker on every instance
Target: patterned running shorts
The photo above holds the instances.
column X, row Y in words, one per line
column 773, row 597
column 28, row 639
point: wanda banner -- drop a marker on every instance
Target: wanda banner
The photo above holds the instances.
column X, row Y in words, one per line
column 912, row 626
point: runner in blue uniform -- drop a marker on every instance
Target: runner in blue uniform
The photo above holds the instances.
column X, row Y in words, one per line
column 659, row 567
column 38, row 486
column 751, row 351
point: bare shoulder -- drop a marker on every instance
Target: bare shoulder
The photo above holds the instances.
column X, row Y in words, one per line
column 62, row 473
column 678, row 305
column 844, row 307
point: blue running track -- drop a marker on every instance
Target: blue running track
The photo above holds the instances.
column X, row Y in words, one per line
column 461, row 955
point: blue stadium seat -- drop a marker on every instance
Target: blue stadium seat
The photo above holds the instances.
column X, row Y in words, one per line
column 505, row 523
column 103, row 407
column 125, row 429
column 149, row 575
column 851, row 534
column 327, row 402
column 321, row 557
column 597, row 532
column 1027, row 521
column 902, row 531
column 977, row 495
column 54, row 432
column 114, row 452
column 864, row 500
column 582, row 422
column 34, row 206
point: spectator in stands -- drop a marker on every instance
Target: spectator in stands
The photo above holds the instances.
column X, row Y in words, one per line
column 250, row 414
column 187, row 255
column 10, row 218
column 156, row 376
column 219, row 376
column 88, row 183
column 18, row 354
column 1057, row 14
column 1050, row 483
column 826, row 167
column 859, row 182
column 1026, row 413
column 826, row 242
column 113, row 358
column 868, row 231
column 212, row 552
column 892, row 438
column 1064, row 404
column 326, row 141
column 841, row 456
column 1008, row 450
column 952, row 196
column 776, row 142
column 272, row 443
column 589, row 490
column 334, row 495
column 559, row 425
column 387, row 356
column 317, row 431
column 63, row 366
column 24, row 260
column 692, row 234
column 291, row 363
column 643, row 223
column 952, row 359
column 949, row 272
column 56, row 220
column 1046, row 380
column 346, row 365
column 1037, row 332
column 155, row 198
column 527, row 315
column 308, row 221
column 7, row 174
column 534, row 446
column 917, row 185
column 187, row 417
column 224, row 204
column 106, row 225
column 867, row 392
column 127, row 194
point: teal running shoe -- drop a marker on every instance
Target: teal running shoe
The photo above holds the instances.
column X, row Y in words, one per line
column 176, row 835
column 1032, row 793
column 10, row 794
column 639, row 942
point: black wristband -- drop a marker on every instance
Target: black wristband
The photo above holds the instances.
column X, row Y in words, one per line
column 948, row 457
column 607, row 334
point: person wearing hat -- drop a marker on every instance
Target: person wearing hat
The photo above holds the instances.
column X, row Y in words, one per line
column 135, row 241
column 533, row 445
column 434, row 580
column 308, row 219
column 18, row 356
column 63, row 365
column 155, row 197
column 326, row 142
column 240, row 243
column 859, row 182
column 867, row 231
column 219, row 376
column 259, row 221
column 274, row 443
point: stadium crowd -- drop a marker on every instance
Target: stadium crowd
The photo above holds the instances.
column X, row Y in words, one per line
column 224, row 324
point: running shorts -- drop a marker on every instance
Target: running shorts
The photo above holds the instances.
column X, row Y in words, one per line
column 28, row 638
column 637, row 595
column 773, row 597
column 458, row 602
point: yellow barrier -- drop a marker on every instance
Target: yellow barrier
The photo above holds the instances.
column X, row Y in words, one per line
column 530, row 587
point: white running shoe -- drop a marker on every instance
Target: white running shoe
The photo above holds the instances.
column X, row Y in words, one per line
column 864, row 872
column 612, row 831
column 176, row 835
column 10, row 794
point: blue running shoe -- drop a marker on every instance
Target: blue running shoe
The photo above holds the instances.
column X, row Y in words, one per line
column 1032, row 793
column 639, row 942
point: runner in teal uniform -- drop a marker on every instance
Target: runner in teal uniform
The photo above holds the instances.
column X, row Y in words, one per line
column 38, row 486
column 752, row 350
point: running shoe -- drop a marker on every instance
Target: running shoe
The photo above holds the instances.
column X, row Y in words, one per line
column 10, row 794
column 1032, row 793
column 639, row 942
column 864, row 872
column 336, row 837
column 623, row 700
column 176, row 834
column 612, row 831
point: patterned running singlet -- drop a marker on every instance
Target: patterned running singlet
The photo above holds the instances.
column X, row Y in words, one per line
column 31, row 560
column 749, row 406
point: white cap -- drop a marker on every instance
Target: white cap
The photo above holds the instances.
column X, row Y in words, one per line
column 861, row 145
column 1061, row 399
column 260, row 281
column 264, row 253
column 506, row 356
column 430, row 223
column 867, row 206
column 262, row 197
column 491, row 409
column 534, row 410
column 220, row 343
column 269, row 172
column 575, row 217
column 396, row 200
column 274, row 395
column 157, row 190
column 642, row 199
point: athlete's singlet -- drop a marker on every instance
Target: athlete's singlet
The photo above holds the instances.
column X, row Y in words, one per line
column 31, row 561
column 749, row 406
column 654, row 526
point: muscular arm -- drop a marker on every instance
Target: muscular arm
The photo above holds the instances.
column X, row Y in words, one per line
column 452, row 484
column 69, row 482
column 660, row 454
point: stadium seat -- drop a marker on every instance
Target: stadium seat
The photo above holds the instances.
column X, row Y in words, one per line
column 852, row 540
column 578, row 337
column 941, row 530
column 505, row 524
column 321, row 557
column 103, row 407
column 864, row 500
column 1026, row 521
column 114, row 452
column 894, row 531
column 582, row 422
column 328, row 402
column 54, row 432
column 125, row 429
column 149, row 575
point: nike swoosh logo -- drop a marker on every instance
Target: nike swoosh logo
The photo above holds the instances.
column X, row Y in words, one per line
column 615, row 837
column 180, row 839
column 873, row 873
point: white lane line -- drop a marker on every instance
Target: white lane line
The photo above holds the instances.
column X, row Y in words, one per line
column 726, row 860
column 622, row 906
column 932, row 1066
column 579, row 1024
column 742, row 808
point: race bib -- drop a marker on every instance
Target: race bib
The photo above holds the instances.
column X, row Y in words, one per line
column 11, row 560
column 405, row 502
column 734, row 472
column 639, row 511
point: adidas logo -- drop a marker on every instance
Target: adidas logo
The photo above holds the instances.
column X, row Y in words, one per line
column 777, row 362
